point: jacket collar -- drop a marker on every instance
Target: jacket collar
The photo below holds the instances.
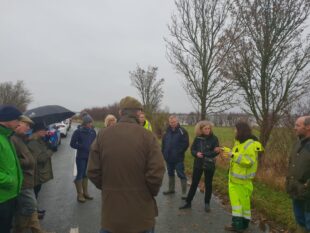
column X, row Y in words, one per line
column 6, row 131
column 129, row 119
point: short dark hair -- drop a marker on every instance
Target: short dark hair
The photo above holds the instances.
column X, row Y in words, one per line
column 243, row 131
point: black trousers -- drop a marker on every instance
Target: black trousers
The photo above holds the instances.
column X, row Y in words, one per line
column 197, row 173
column 7, row 210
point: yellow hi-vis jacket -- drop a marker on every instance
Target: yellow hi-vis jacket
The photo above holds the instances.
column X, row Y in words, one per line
column 147, row 125
column 244, row 161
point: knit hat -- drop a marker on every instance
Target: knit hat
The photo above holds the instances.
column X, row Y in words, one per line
column 130, row 103
column 86, row 119
column 9, row 113
column 26, row 119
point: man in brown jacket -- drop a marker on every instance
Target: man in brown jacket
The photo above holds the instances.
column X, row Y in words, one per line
column 126, row 163
column 26, row 216
column 298, row 178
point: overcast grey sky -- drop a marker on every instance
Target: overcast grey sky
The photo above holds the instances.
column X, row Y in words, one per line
column 78, row 53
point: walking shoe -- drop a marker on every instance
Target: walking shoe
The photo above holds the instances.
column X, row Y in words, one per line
column 41, row 215
column 185, row 206
column 207, row 207
column 41, row 211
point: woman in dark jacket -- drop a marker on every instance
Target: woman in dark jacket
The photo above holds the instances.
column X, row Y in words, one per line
column 81, row 140
column 204, row 149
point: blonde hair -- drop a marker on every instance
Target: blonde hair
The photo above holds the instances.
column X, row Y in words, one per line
column 109, row 119
column 200, row 125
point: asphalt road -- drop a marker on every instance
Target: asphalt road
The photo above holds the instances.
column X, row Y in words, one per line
column 64, row 214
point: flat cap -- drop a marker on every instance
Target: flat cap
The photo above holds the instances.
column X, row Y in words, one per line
column 26, row 119
column 9, row 113
column 130, row 103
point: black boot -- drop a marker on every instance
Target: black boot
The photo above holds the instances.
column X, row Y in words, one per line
column 187, row 205
column 207, row 207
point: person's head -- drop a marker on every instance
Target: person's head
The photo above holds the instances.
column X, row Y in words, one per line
column 203, row 128
column 9, row 115
column 39, row 130
column 173, row 121
column 142, row 118
column 243, row 131
column 302, row 126
column 110, row 120
column 25, row 124
column 130, row 107
column 87, row 121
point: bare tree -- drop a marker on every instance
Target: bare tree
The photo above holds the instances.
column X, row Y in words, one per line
column 197, row 50
column 16, row 94
column 149, row 89
column 269, row 61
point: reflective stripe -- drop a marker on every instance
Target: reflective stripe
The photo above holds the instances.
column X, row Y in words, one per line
column 251, row 160
column 238, row 207
column 248, row 144
column 236, row 214
column 243, row 177
column 239, row 159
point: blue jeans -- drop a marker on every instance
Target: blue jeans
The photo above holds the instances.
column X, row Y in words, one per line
column 81, row 166
column 147, row 231
column 301, row 215
column 26, row 202
column 179, row 167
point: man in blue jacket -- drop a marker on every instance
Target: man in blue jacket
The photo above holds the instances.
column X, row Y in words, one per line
column 174, row 144
column 81, row 140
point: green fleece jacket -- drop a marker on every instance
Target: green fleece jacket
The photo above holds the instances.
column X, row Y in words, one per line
column 11, row 176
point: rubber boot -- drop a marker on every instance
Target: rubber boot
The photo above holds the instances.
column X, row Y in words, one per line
column 184, row 188
column 79, row 191
column 236, row 225
column 171, row 186
column 34, row 224
column 246, row 223
column 85, row 189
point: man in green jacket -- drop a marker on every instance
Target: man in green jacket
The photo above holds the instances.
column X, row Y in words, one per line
column 10, row 172
column 298, row 178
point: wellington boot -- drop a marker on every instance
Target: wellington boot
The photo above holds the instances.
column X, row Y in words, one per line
column 207, row 207
column 34, row 224
column 184, row 188
column 79, row 190
column 85, row 189
column 171, row 186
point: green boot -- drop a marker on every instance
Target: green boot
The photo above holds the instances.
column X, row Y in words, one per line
column 85, row 189
column 236, row 225
column 184, row 188
column 171, row 186
column 246, row 223
column 79, row 191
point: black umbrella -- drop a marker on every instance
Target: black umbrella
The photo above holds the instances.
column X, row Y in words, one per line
column 49, row 114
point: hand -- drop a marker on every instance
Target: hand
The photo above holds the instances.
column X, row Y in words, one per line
column 199, row 155
column 226, row 154
column 217, row 149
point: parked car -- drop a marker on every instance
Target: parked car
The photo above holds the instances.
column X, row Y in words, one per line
column 63, row 129
column 68, row 123
column 53, row 137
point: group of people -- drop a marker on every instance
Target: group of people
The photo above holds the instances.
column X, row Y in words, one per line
column 25, row 164
column 126, row 162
